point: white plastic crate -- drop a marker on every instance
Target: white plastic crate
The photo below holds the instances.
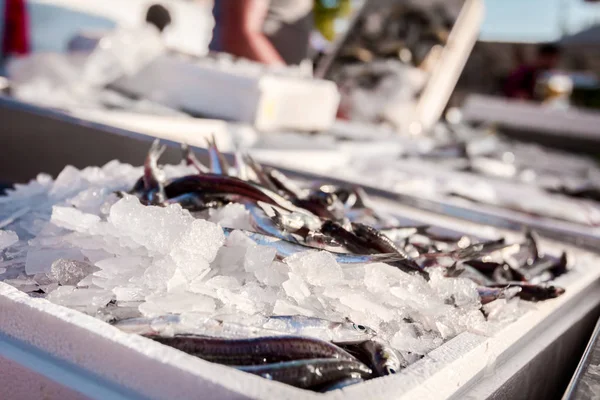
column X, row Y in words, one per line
column 267, row 101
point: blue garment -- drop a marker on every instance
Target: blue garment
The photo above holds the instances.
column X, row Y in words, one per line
column 215, row 43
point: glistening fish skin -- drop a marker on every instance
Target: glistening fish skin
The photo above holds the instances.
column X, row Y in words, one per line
column 310, row 373
column 334, row 331
column 286, row 249
column 378, row 355
column 255, row 351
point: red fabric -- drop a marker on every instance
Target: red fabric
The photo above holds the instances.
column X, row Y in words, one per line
column 16, row 28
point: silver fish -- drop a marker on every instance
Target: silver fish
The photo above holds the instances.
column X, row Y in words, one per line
column 201, row 325
column 378, row 355
column 254, row 351
column 310, row 373
column 190, row 159
column 286, row 249
column 262, row 223
column 218, row 163
column 334, row 331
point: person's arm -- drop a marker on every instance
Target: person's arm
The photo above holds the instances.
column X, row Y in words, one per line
column 242, row 31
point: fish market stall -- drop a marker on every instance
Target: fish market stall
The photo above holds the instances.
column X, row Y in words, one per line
column 78, row 259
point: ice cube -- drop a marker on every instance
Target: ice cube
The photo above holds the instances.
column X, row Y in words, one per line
column 363, row 304
column 197, row 248
column 68, row 181
column 73, row 297
column 238, row 301
column 223, row 282
column 156, row 228
column 178, row 282
column 283, row 307
column 238, row 239
column 90, row 200
column 158, row 274
column 295, row 287
column 70, row 272
column 318, row 267
column 202, row 239
column 274, row 275
column 40, row 260
column 7, row 239
column 259, row 258
column 409, row 338
column 129, row 293
column 73, row 219
column 461, row 292
column 233, row 215
column 175, row 303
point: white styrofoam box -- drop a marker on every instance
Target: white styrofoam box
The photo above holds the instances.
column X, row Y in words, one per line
column 192, row 131
column 571, row 123
column 99, row 361
column 267, row 101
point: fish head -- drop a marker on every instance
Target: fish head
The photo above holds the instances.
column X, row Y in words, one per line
column 385, row 359
column 349, row 332
column 363, row 330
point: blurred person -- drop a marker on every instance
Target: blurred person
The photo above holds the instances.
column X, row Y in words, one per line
column 521, row 83
column 275, row 32
column 14, row 30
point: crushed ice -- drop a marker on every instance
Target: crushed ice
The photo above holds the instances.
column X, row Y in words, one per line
column 82, row 247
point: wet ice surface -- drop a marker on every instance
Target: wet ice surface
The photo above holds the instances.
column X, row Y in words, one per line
column 82, row 247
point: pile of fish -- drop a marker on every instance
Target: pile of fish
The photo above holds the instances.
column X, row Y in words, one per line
column 306, row 284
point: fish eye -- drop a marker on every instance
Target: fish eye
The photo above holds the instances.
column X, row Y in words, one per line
column 390, row 370
column 360, row 327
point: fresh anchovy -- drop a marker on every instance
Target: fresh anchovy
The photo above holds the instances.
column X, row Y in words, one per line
column 468, row 272
column 262, row 223
column 361, row 245
column 334, row 331
column 546, row 264
column 325, row 205
column 481, row 249
column 195, row 202
column 310, row 373
column 218, row 163
column 211, row 184
column 499, row 272
column 254, row 351
column 531, row 292
column 171, row 324
column 381, row 243
column 344, row 382
column 321, row 241
column 241, row 167
column 489, row 294
column 286, row 249
column 153, row 190
column 261, row 176
column 349, row 239
column 378, row 355
column 284, row 184
column 353, row 198
column 402, row 232
column 190, row 159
